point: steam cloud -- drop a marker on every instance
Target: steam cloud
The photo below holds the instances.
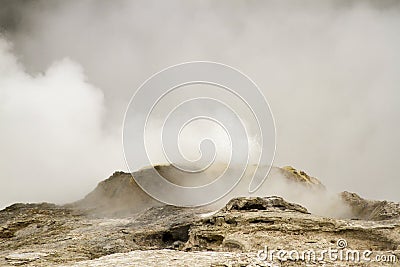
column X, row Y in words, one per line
column 330, row 71
column 53, row 147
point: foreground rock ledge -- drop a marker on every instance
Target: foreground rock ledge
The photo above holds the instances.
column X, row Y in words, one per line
column 51, row 235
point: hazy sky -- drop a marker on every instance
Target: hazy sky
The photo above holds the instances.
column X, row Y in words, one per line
column 330, row 70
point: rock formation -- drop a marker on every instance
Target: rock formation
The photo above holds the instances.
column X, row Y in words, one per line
column 120, row 195
column 371, row 209
column 119, row 225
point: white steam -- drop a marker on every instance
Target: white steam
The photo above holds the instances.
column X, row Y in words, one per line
column 330, row 70
column 52, row 144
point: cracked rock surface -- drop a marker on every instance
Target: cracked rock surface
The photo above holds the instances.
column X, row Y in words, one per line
column 50, row 235
column 119, row 225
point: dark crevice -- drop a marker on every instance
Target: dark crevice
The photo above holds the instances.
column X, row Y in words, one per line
column 178, row 233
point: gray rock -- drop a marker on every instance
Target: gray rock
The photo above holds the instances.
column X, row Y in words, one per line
column 371, row 209
column 119, row 225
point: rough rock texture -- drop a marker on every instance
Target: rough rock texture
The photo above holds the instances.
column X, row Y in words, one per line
column 371, row 209
column 198, row 259
column 302, row 177
column 119, row 225
column 262, row 203
column 50, row 235
column 167, row 257
column 286, row 225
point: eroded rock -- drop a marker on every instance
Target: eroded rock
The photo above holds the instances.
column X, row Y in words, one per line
column 371, row 209
column 262, row 203
column 118, row 224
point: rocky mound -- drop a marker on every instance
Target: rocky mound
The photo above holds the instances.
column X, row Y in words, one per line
column 262, row 203
column 371, row 209
column 116, row 196
column 120, row 195
column 301, row 177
